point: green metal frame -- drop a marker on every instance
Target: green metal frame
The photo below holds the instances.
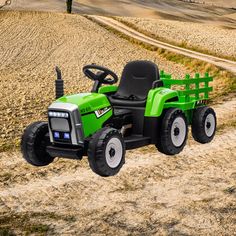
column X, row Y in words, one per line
column 185, row 94
column 156, row 100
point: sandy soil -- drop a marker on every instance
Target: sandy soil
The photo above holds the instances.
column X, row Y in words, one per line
column 193, row 193
column 210, row 38
column 173, row 10
column 33, row 43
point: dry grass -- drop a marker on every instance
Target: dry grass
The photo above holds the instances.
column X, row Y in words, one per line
column 154, row 194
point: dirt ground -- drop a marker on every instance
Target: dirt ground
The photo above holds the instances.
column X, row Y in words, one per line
column 193, row 193
column 164, row 9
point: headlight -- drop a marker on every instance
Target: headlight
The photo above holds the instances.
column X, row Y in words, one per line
column 58, row 114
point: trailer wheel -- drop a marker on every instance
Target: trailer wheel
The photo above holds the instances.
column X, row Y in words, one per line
column 33, row 144
column 204, row 124
column 106, row 152
column 174, row 132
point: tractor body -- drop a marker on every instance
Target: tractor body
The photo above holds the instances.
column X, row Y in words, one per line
column 104, row 123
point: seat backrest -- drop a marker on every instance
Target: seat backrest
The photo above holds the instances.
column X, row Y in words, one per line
column 137, row 79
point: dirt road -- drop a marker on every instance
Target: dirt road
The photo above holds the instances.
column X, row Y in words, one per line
column 223, row 63
column 193, row 193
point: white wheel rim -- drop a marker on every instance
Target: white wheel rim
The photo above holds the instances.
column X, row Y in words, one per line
column 114, row 152
column 210, row 125
column 178, row 131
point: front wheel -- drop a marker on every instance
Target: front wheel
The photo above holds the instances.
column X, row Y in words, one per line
column 33, row 144
column 106, row 152
column 173, row 133
column 204, row 124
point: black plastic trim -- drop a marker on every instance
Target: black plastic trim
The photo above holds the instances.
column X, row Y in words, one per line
column 157, row 84
column 151, row 128
column 136, row 141
column 66, row 152
column 174, row 99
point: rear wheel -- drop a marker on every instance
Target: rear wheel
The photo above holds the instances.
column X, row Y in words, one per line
column 204, row 124
column 106, row 152
column 33, row 144
column 173, row 133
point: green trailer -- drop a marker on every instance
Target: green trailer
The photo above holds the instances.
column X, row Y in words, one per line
column 148, row 107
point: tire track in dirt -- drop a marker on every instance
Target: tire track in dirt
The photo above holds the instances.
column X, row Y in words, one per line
column 151, row 188
column 220, row 62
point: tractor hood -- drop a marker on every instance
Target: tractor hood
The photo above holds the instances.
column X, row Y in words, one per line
column 86, row 102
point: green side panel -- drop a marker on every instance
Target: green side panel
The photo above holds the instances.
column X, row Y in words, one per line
column 156, row 101
column 187, row 107
column 87, row 102
column 108, row 89
column 91, row 123
column 190, row 89
column 183, row 106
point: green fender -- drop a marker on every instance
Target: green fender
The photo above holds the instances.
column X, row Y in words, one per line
column 156, row 101
column 108, row 89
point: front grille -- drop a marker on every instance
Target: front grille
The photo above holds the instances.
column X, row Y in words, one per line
column 67, row 129
column 60, row 124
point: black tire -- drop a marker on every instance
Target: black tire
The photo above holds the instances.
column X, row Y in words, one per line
column 33, row 144
column 98, row 152
column 172, row 139
column 204, row 124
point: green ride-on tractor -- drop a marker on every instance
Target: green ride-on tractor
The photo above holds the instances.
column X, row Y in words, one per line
column 147, row 107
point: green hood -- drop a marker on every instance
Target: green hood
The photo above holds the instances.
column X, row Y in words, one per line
column 87, row 102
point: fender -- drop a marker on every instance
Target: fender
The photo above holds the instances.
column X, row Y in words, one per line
column 156, row 101
column 108, row 89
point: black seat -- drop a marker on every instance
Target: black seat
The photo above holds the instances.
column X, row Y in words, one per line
column 136, row 81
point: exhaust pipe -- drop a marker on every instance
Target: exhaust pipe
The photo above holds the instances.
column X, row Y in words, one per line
column 59, row 84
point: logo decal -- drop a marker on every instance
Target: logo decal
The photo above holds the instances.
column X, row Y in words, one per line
column 102, row 112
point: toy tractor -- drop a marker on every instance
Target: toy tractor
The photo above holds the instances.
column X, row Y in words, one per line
column 143, row 109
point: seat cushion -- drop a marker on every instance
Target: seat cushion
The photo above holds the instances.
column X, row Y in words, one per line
column 136, row 81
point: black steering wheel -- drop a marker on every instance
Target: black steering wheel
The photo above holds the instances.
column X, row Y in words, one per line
column 101, row 75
